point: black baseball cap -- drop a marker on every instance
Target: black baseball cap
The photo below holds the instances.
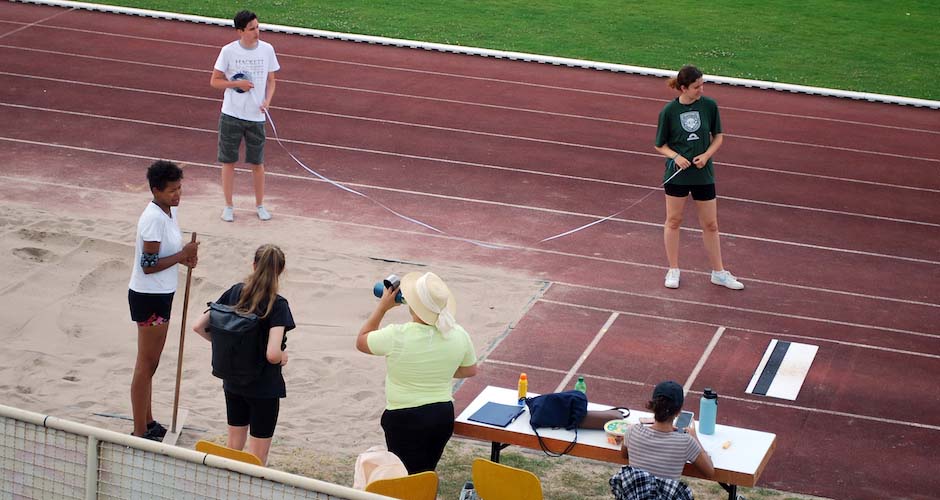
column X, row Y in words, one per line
column 671, row 391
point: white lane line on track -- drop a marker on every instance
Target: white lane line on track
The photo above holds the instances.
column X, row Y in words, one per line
column 753, row 311
column 907, row 423
column 521, row 138
column 703, row 359
column 587, row 352
column 524, row 365
column 612, row 94
column 589, row 179
column 565, row 176
column 418, row 233
column 512, row 82
column 566, row 115
column 754, row 331
column 497, row 203
column 357, row 90
column 760, row 139
column 35, row 23
column 826, row 177
column 830, row 211
column 903, row 423
column 765, row 282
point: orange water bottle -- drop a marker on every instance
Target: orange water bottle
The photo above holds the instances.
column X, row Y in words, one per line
column 523, row 388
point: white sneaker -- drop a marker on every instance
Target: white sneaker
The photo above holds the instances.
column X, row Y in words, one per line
column 727, row 280
column 263, row 213
column 228, row 214
column 672, row 278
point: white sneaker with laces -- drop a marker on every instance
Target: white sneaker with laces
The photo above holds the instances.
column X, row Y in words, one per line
column 727, row 280
column 228, row 214
column 263, row 213
column 672, row 278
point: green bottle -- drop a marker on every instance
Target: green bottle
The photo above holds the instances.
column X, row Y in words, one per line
column 580, row 385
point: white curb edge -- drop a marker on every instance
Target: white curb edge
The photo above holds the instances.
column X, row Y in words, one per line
column 499, row 54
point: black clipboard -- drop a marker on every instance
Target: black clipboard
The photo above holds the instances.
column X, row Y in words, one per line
column 497, row 414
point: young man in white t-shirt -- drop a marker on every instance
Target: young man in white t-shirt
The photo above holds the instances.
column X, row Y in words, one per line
column 245, row 71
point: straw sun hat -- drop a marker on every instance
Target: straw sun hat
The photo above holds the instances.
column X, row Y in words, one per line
column 430, row 299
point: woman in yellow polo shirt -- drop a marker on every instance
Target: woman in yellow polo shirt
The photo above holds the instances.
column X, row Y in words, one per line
column 422, row 357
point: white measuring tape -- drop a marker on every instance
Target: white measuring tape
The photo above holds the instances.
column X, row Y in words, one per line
column 428, row 226
column 357, row 193
column 611, row 216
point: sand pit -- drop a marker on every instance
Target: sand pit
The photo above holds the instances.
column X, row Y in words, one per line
column 69, row 345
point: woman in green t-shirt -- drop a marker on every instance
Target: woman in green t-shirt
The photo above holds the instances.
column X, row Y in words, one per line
column 422, row 358
column 688, row 135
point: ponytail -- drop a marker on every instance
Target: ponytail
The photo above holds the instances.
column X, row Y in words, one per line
column 686, row 77
column 262, row 284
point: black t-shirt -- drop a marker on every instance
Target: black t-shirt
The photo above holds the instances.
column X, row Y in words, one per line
column 271, row 383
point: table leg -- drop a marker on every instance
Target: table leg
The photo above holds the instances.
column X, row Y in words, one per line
column 732, row 490
column 495, row 448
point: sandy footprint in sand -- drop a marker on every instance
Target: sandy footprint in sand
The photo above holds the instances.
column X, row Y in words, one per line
column 106, row 276
column 26, row 250
column 114, row 230
column 53, row 239
column 33, row 254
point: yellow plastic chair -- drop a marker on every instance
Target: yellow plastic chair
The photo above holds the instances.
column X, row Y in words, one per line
column 493, row 481
column 420, row 486
column 226, row 452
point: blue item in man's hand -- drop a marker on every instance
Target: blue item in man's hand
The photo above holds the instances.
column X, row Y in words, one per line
column 240, row 76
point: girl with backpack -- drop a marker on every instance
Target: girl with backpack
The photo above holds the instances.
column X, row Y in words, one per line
column 252, row 406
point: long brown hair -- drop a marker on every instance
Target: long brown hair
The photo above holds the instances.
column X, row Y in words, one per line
column 262, row 284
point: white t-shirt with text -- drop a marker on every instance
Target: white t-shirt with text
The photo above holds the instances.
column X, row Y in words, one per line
column 254, row 64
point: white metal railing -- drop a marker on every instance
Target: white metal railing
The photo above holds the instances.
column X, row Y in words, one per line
column 47, row 457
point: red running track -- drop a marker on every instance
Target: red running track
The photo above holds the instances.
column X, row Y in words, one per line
column 828, row 212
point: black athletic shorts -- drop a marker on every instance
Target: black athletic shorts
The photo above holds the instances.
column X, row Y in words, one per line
column 149, row 309
column 700, row 192
column 258, row 413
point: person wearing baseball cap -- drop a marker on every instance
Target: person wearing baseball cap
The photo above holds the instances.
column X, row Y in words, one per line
column 422, row 357
column 660, row 448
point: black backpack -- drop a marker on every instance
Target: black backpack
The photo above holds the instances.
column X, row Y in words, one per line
column 561, row 409
column 238, row 345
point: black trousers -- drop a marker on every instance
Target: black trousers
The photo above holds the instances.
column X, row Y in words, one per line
column 418, row 435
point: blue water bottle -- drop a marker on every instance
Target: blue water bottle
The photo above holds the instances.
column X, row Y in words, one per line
column 708, row 411
column 391, row 282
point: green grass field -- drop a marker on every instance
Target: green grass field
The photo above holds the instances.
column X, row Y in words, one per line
column 863, row 45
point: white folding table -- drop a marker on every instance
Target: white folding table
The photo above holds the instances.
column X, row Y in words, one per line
column 738, row 464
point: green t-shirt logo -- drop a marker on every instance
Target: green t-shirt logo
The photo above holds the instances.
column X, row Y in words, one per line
column 688, row 129
column 690, row 121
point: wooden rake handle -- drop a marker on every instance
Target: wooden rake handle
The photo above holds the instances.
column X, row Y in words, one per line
column 179, row 359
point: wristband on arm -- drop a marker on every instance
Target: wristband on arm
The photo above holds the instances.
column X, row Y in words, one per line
column 148, row 259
